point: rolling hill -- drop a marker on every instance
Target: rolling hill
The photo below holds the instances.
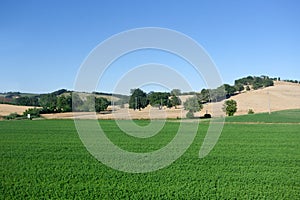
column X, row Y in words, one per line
column 281, row 96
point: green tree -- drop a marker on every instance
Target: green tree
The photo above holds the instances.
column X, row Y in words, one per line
column 230, row 90
column 27, row 101
column 64, row 103
column 204, row 96
column 192, row 105
column 138, row 99
column 158, row 98
column 175, row 101
column 48, row 102
column 101, row 104
column 34, row 112
column 268, row 82
column 239, row 87
column 217, row 94
column 230, row 107
column 257, row 85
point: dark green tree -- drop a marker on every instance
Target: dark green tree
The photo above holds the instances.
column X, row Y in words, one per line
column 230, row 90
column 217, row 94
column 34, row 112
column 101, row 104
column 204, row 96
column 138, row 99
column 239, row 87
column 64, row 103
column 158, row 98
column 48, row 102
column 174, row 101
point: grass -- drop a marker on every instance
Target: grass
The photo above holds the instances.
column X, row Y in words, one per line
column 286, row 116
column 46, row 159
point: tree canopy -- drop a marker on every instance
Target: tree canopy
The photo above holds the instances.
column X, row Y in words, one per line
column 230, row 107
column 138, row 99
column 192, row 105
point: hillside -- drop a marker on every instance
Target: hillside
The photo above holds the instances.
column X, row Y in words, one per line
column 282, row 96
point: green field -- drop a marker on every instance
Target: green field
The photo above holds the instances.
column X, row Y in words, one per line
column 43, row 159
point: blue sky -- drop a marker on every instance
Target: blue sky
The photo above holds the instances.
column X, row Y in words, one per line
column 43, row 43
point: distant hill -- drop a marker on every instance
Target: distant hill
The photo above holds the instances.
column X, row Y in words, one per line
column 261, row 94
column 281, row 96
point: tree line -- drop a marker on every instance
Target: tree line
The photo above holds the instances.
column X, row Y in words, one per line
column 140, row 99
column 61, row 101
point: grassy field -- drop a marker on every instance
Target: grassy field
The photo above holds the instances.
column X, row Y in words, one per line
column 286, row 116
column 45, row 159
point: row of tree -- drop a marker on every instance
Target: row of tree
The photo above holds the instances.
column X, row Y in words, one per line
column 193, row 105
column 292, row 81
column 140, row 99
column 65, row 102
column 255, row 82
column 226, row 91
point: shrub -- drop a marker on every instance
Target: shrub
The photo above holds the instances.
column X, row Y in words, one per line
column 207, row 116
column 12, row 116
column 250, row 111
column 34, row 112
column 189, row 115
column 248, row 88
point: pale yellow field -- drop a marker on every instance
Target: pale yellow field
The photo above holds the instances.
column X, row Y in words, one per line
column 6, row 109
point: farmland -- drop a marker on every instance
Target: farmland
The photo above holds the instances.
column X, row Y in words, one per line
column 46, row 159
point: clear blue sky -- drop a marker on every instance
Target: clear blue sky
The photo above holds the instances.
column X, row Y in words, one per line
column 43, row 43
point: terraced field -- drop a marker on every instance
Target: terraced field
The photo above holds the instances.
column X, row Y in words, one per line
column 252, row 160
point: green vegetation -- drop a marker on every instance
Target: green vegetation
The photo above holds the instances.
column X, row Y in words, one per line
column 250, row 111
column 34, row 113
column 61, row 100
column 46, row 159
column 138, row 99
column 159, row 98
column 292, row 81
column 88, row 103
column 256, row 82
column 13, row 116
column 192, row 105
column 286, row 116
column 230, row 107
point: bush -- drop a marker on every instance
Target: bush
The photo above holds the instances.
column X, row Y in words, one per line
column 248, row 88
column 34, row 112
column 207, row 116
column 250, row 111
column 189, row 115
column 13, row 116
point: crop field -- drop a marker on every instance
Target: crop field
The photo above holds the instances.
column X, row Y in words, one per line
column 257, row 157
